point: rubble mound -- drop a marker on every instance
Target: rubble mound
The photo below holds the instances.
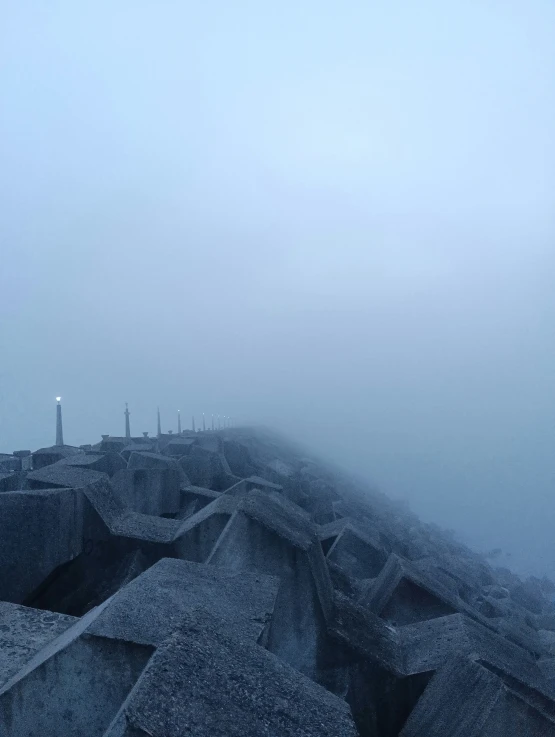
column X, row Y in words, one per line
column 224, row 583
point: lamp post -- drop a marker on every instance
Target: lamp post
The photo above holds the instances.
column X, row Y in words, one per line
column 127, row 426
column 59, row 430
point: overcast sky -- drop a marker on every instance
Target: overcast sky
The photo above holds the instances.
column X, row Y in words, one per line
column 336, row 218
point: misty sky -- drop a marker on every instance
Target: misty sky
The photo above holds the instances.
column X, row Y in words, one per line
column 336, row 218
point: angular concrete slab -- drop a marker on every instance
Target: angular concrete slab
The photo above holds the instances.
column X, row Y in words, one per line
column 48, row 456
column 23, row 633
column 152, row 606
column 198, row 534
column 466, row 699
column 403, row 595
column 428, row 645
column 207, row 681
column 269, row 534
column 39, row 530
column 205, row 468
column 149, row 490
column 74, row 685
column 103, row 462
column 357, row 554
column 61, row 475
column 197, row 494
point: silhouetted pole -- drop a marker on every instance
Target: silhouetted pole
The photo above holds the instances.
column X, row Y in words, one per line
column 59, row 430
column 219, row 424
column 127, row 426
column 212, row 423
column 194, row 424
column 179, row 421
column 203, row 423
column 159, row 429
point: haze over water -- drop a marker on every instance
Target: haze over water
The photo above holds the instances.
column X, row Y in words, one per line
column 333, row 218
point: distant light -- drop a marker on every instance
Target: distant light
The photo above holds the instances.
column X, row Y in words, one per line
column 58, row 399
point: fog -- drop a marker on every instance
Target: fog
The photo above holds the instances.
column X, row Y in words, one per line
column 336, row 219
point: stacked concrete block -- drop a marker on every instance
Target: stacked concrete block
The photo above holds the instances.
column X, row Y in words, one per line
column 224, row 583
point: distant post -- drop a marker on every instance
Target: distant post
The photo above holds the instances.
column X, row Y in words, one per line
column 59, row 430
column 127, row 425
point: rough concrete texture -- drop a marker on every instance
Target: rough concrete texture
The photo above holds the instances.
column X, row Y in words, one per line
column 154, row 605
column 357, row 554
column 205, row 467
column 39, row 530
column 225, row 583
column 47, row 456
column 466, row 699
column 103, row 462
column 149, row 490
column 25, row 631
column 428, row 645
column 263, row 696
column 60, row 475
column 77, row 691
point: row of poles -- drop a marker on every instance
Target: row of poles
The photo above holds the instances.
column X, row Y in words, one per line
column 218, row 422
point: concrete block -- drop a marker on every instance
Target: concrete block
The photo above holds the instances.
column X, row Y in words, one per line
column 267, row 534
column 238, row 458
column 137, row 448
column 60, row 475
column 149, row 491
column 427, row 646
column 402, row 595
column 205, row 468
column 39, row 530
column 74, row 685
column 464, row 698
column 10, row 482
column 179, row 447
column 357, row 554
column 154, row 604
column 207, row 681
column 199, row 533
column 108, row 463
column 47, row 456
column 23, row 633
column 197, row 494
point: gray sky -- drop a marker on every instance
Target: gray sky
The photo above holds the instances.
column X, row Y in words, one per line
column 333, row 217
